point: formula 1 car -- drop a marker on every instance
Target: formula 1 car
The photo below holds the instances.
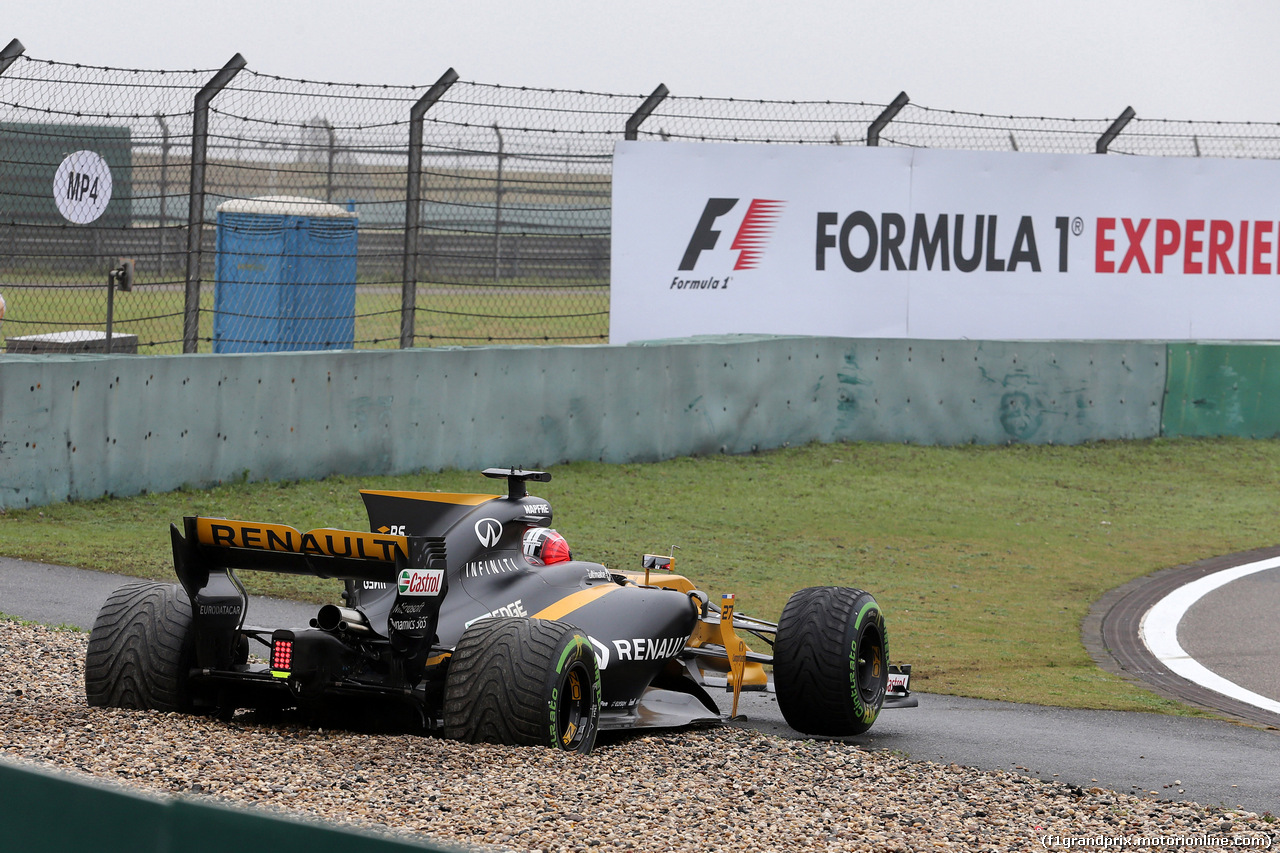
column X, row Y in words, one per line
column 467, row 615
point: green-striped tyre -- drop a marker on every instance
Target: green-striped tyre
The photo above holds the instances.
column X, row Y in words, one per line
column 523, row 682
column 831, row 661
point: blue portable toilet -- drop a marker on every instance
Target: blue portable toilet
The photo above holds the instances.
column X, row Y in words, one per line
column 285, row 275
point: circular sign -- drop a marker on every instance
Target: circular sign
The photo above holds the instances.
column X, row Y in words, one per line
column 82, row 187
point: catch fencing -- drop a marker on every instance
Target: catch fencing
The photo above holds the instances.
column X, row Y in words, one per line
column 482, row 212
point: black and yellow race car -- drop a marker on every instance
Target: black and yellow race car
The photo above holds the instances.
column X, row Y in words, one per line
column 466, row 615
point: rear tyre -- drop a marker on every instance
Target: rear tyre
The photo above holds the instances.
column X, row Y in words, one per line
column 141, row 650
column 523, row 682
column 831, row 661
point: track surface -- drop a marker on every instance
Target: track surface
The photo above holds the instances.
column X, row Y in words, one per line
column 1234, row 631
column 1180, row 758
column 1221, row 632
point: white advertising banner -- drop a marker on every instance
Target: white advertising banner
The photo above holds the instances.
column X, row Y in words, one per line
column 936, row 244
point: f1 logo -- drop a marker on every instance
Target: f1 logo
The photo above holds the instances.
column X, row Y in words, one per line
column 750, row 241
column 488, row 531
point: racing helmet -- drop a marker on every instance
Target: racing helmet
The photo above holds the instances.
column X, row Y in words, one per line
column 544, row 547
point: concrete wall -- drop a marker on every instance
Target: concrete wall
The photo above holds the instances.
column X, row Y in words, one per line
column 81, row 427
column 984, row 392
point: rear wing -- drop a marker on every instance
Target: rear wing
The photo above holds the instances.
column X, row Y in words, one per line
column 212, row 544
column 208, row 550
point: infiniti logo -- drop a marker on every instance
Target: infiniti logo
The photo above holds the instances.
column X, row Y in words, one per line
column 488, row 531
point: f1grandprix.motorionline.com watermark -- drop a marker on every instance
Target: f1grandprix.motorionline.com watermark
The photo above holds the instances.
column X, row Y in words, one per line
column 1250, row 842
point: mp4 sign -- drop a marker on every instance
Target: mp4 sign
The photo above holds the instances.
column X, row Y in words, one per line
column 82, row 187
column 935, row 244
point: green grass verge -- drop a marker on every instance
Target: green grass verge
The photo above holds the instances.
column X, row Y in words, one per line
column 985, row 559
column 5, row 617
column 444, row 315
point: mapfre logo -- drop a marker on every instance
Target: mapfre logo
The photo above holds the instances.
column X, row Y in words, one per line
column 750, row 240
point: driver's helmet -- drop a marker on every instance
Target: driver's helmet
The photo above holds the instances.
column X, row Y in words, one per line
column 544, row 546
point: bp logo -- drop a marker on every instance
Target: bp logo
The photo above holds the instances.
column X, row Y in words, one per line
column 420, row 581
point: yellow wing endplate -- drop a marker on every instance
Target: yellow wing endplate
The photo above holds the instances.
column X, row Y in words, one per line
column 433, row 497
column 324, row 541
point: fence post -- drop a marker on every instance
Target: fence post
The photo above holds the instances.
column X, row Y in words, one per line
column 497, row 212
column 195, row 213
column 11, row 52
column 413, row 204
column 1108, row 136
column 332, row 157
column 650, row 104
column 164, row 189
column 8, row 56
column 882, row 120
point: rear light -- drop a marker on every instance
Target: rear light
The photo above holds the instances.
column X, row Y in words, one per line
column 282, row 654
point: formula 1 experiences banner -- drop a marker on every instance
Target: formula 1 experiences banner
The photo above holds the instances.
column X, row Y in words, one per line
column 934, row 244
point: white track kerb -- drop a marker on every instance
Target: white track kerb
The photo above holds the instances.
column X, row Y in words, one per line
column 1159, row 631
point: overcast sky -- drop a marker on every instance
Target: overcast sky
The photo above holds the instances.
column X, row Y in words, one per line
column 1068, row 58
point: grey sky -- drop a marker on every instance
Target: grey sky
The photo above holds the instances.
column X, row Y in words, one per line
column 1068, row 58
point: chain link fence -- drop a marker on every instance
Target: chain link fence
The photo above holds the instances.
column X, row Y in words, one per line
column 267, row 213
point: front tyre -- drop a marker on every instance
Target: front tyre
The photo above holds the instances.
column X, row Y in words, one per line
column 831, row 661
column 523, row 682
column 141, row 650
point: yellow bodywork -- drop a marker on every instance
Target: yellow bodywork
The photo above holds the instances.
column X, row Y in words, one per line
column 741, row 674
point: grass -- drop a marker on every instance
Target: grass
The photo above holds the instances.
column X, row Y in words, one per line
column 5, row 617
column 444, row 315
column 985, row 559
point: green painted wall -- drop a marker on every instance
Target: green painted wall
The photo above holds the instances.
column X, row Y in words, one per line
column 1223, row 389
column 30, row 154
column 50, row 812
column 85, row 426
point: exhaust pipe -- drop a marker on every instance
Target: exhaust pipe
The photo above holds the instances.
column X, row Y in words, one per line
column 333, row 618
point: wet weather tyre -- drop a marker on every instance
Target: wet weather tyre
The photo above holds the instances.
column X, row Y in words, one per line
column 523, row 682
column 141, row 650
column 831, row 661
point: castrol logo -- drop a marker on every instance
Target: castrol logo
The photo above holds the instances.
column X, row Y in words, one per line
column 420, row 581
